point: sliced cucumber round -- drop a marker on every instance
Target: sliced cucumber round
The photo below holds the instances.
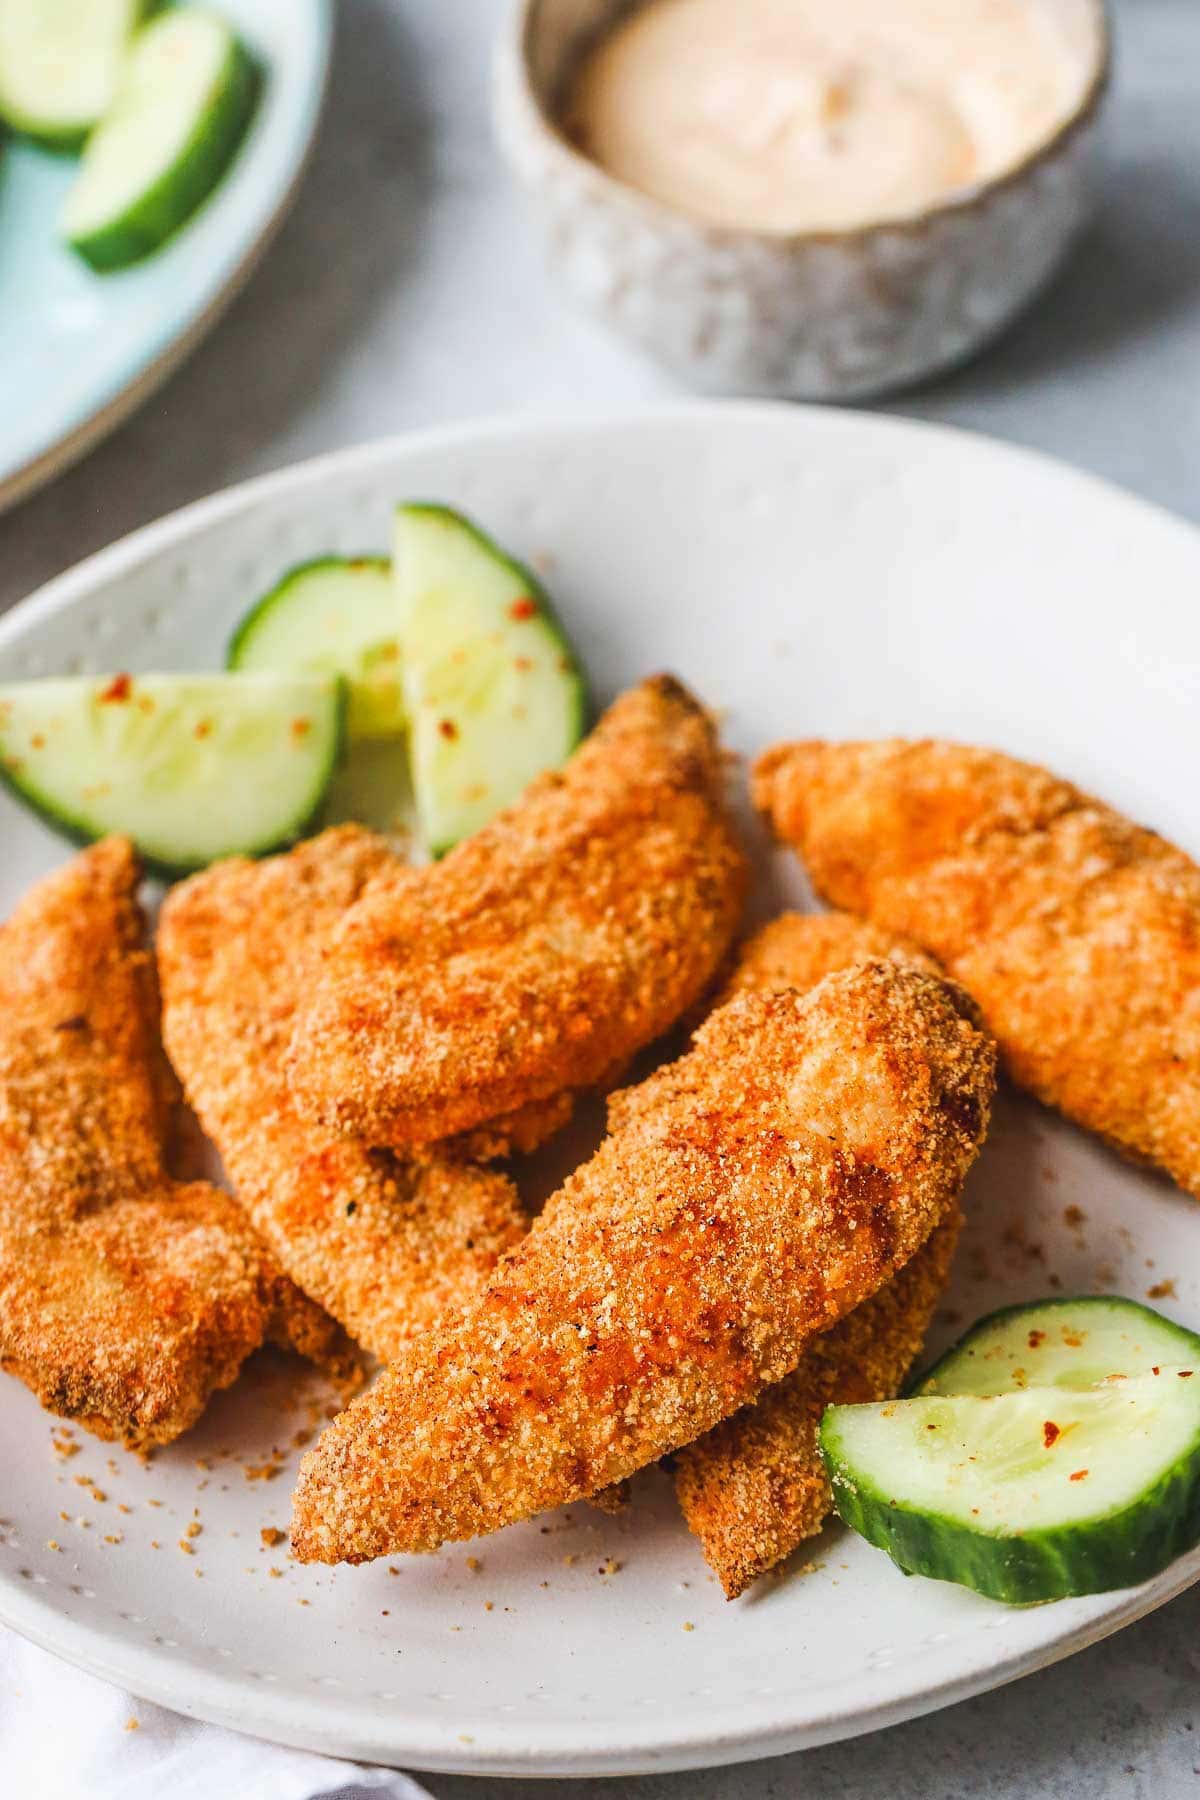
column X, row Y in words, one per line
column 492, row 689
column 335, row 615
column 61, row 64
column 1028, row 1496
column 1060, row 1343
column 191, row 767
column 182, row 106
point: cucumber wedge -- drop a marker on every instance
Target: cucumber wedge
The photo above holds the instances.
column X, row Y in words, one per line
column 1060, row 1343
column 492, row 689
column 191, row 767
column 1028, row 1496
column 182, row 106
column 61, row 63
column 335, row 615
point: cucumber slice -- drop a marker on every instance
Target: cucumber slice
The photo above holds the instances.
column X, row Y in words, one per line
column 182, row 107
column 1031, row 1495
column 335, row 615
column 191, row 767
column 493, row 692
column 61, row 63
column 1060, row 1343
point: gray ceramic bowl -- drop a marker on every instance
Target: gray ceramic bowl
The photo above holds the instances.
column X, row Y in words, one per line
column 818, row 316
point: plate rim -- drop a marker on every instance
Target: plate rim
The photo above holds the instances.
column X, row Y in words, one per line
column 159, row 533
column 749, row 1730
column 169, row 345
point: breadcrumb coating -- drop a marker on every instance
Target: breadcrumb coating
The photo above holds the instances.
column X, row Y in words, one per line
column 1077, row 932
column 542, row 952
column 126, row 1299
column 755, row 1487
column 795, row 1158
column 388, row 1246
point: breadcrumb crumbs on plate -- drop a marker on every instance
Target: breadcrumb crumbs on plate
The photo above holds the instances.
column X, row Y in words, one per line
column 474, row 1564
column 489, row 1606
column 53, row 1544
column 609, row 1567
column 122, row 1508
column 133, row 1724
column 688, row 1626
column 271, row 1535
column 1162, row 1290
column 186, row 1547
column 193, row 1528
column 114, row 1537
column 275, row 1574
column 570, row 1559
column 154, row 1544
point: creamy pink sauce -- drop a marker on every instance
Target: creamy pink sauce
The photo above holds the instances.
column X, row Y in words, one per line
column 799, row 115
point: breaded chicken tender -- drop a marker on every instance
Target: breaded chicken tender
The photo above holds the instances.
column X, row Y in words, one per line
column 755, row 1487
column 1077, row 932
column 387, row 1246
column 126, row 1299
column 796, row 1158
column 542, row 952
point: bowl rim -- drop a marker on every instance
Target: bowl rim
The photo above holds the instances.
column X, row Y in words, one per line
column 514, row 85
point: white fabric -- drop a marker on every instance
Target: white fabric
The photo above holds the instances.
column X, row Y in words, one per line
column 64, row 1734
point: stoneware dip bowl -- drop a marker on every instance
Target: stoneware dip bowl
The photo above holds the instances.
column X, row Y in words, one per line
column 823, row 315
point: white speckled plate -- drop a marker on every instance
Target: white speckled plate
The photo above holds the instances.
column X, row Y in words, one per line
column 807, row 572
column 78, row 351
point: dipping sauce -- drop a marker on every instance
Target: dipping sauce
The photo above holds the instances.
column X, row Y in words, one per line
column 810, row 115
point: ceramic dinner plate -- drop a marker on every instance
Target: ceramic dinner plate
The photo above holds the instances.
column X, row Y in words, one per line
column 807, row 573
column 78, row 351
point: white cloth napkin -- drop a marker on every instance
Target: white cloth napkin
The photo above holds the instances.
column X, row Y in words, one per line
column 64, row 1733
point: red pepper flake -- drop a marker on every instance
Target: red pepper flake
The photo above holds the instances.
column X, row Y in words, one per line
column 37, row 741
column 1079, row 1475
column 1074, row 1339
column 301, row 728
column 1184, row 1374
column 202, row 729
column 1036, row 1339
column 523, row 664
column 448, row 729
column 1155, row 1370
column 118, row 689
column 1050, row 1434
column 525, row 608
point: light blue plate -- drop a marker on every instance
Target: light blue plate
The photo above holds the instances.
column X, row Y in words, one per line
column 79, row 351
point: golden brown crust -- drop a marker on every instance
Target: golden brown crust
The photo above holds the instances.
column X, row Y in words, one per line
column 541, row 953
column 388, row 1247
column 125, row 1299
column 755, row 1487
column 1077, row 932
column 797, row 1156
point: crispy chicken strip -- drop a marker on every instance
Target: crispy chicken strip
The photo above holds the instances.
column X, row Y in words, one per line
column 755, row 1487
column 800, row 1153
column 125, row 1299
column 544, row 951
column 388, row 1247
column 1076, row 931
